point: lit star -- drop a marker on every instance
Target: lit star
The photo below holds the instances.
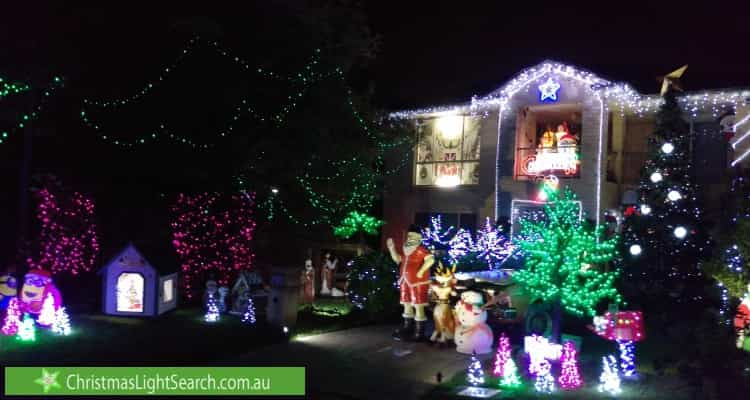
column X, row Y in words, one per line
column 548, row 90
column 48, row 380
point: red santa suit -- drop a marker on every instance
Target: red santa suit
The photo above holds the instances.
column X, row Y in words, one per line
column 414, row 289
column 742, row 318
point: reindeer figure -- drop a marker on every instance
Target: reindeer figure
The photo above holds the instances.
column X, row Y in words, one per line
column 445, row 323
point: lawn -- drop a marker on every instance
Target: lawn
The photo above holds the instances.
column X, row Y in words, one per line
column 652, row 383
column 180, row 337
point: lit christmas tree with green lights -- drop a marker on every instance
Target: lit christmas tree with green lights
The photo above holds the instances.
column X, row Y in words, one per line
column 564, row 259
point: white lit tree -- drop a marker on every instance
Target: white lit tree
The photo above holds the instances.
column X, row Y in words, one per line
column 212, row 314
column 61, row 326
column 26, row 331
column 609, row 380
column 475, row 374
column 47, row 315
column 249, row 316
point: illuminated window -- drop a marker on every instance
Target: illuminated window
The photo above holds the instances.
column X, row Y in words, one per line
column 548, row 142
column 130, row 292
column 448, row 151
column 167, row 291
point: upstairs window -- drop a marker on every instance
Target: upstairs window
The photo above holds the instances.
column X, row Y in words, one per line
column 448, row 151
column 548, row 142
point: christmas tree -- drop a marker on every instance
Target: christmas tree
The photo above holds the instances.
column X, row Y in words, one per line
column 510, row 377
column 475, row 374
column 627, row 357
column 564, row 257
column 609, row 380
column 47, row 315
column 663, row 236
column 545, row 382
column 570, row 373
column 212, row 315
column 249, row 316
column 502, row 355
column 27, row 331
column 61, row 326
column 12, row 318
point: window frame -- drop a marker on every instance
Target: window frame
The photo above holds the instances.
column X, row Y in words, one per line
column 429, row 121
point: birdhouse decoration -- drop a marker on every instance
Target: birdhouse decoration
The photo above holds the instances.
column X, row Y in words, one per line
column 625, row 328
column 132, row 286
column 623, row 325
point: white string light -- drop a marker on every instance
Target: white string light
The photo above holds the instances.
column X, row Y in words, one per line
column 621, row 95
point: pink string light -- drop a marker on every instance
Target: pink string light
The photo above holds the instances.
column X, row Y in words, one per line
column 212, row 233
column 68, row 235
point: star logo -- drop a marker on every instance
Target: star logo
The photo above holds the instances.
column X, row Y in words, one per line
column 548, row 90
column 48, row 380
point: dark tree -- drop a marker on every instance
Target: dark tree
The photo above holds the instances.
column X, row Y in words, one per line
column 665, row 236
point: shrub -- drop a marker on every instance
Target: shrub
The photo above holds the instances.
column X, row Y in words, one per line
column 373, row 284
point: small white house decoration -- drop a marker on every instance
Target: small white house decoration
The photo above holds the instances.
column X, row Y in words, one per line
column 132, row 286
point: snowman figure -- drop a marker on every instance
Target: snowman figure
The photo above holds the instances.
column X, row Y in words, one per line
column 472, row 332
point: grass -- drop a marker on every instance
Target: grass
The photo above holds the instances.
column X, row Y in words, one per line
column 176, row 338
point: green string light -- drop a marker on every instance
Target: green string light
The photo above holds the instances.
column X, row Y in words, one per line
column 7, row 89
column 561, row 255
column 356, row 222
column 301, row 82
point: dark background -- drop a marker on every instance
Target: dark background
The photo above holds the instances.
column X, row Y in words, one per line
column 426, row 53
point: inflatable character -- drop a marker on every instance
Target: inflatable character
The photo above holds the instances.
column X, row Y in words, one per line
column 414, row 280
column 742, row 320
column 472, row 333
column 548, row 139
column 445, row 323
column 36, row 285
column 8, row 289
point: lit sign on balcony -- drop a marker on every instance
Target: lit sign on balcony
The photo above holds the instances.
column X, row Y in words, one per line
column 563, row 161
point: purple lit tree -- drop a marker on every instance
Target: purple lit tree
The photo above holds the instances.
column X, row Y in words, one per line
column 502, row 355
column 212, row 233
column 570, row 373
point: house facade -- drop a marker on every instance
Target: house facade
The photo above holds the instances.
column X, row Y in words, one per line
column 486, row 158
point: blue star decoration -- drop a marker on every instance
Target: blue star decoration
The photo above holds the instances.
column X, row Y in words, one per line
column 548, row 91
column 48, row 380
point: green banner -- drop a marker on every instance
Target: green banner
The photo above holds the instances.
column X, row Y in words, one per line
column 139, row 381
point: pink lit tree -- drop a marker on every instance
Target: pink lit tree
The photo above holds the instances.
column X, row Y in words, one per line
column 570, row 373
column 212, row 233
column 67, row 235
column 502, row 355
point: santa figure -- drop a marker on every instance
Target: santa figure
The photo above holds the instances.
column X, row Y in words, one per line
column 414, row 282
column 726, row 121
column 36, row 286
column 329, row 268
column 742, row 319
column 308, row 282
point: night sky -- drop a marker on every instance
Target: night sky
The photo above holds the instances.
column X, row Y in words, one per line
column 431, row 52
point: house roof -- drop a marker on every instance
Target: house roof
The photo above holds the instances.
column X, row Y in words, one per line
column 162, row 258
column 615, row 93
